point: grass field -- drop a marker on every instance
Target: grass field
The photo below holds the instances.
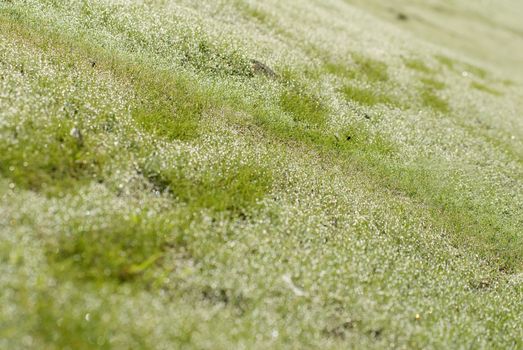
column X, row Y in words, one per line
column 261, row 174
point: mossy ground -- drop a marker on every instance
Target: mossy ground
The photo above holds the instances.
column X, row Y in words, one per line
column 157, row 193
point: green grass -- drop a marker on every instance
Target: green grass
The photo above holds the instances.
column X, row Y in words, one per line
column 49, row 157
column 366, row 97
column 359, row 67
column 446, row 61
column 225, row 187
column 203, row 206
column 373, row 70
column 431, row 100
column 122, row 252
column 433, row 84
column 418, row 65
column 485, row 88
column 303, row 108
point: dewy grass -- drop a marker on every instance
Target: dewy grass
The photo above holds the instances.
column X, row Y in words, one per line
column 366, row 97
column 461, row 67
column 433, row 84
column 253, row 12
column 373, row 70
column 50, row 157
column 485, row 88
column 123, row 251
column 430, row 99
column 359, row 67
column 226, row 187
column 303, row 108
column 417, row 65
column 202, row 55
column 471, row 224
column 446, row 61
column 202, row 205
column 172, row 111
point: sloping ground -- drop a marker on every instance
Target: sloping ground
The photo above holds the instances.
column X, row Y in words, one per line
column 485, row 30
column 159, row 189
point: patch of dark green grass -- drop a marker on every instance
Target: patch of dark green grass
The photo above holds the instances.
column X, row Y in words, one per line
column 446, row 61
column 303, row 107
column 54, row 328
column 234, row 189
column 508, row 82
column 172, row 111
column 433, row 84
column 366, row 97
column 477, row 71
column 373, row 70
column 361, row 68
column 431, row 100
column 126, row 249
column 485, row 88
column 164, row 122
column 417, row 65
column 52, row 158
column 253, row 12
column 204, row 56
column 342, row 70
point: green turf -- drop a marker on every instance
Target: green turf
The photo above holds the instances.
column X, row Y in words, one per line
column 157, row 191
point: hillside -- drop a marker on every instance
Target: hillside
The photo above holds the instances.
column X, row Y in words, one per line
column 239, row 174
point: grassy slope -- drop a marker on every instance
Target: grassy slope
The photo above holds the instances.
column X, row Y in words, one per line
column 157, row 192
